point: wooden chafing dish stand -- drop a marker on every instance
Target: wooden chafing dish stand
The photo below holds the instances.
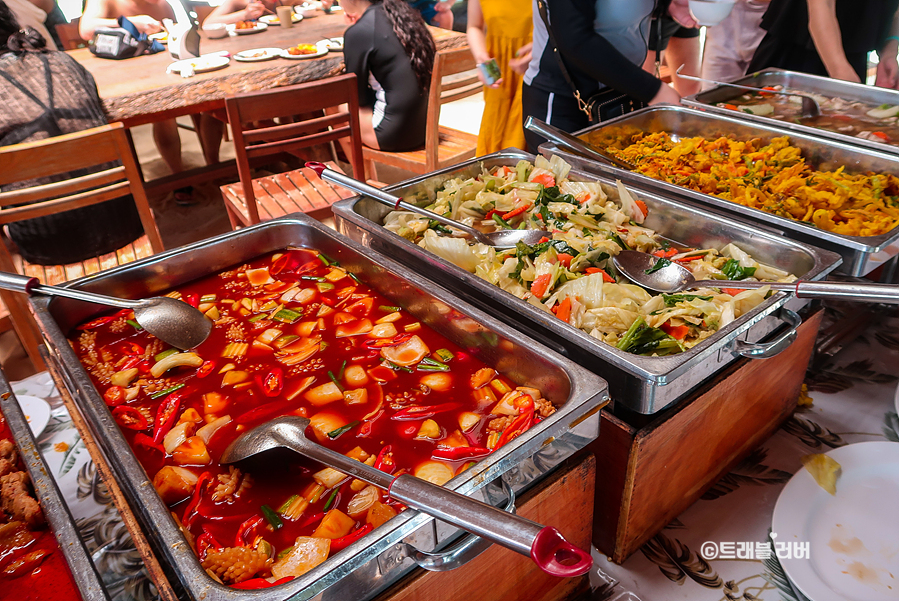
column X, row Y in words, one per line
column 571, row 486
column 654, row 470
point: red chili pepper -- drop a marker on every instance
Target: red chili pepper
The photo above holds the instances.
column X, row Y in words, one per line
column 688, row 259
column 190, row 512
column 192, row 299
column 144, row 366
column 385, row 462
column 518, row 426
column 881, row 135
column 258, row 583
column 206, row 368
column 114, row 396
column 166, row 416
column 286, row 262
column 142, row 440
column 130, row 362
column 665, row 254
column 385, row 342
column 272, row 382
column 246, row 530
column 542, row 240
column 129, row 417
column 345, row 541
column 491, row 213
column 206, row 540
column 96, row 323
column 315, row 517
column 424, row 412
column 129, row 347
column 270, row 409
column 457, row 453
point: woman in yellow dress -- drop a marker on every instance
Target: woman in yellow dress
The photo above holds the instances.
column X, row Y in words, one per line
column 501, row 29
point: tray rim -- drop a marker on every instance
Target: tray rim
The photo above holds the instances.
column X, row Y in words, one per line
column 593, row 388
column 59, row 517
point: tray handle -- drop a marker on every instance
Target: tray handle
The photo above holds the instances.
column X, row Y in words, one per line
column 764, row 350
column 461, row 552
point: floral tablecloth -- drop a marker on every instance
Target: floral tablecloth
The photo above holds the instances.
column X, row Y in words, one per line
column 852, row 401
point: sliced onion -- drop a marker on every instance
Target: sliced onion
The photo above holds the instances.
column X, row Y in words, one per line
column 207, row 431
column 177, row 436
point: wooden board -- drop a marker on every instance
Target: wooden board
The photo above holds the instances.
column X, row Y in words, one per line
column 138, row 90
column 564, row 501
column 653, row 473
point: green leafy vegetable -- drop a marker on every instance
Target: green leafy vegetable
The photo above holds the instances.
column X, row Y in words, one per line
column 641, row 339
column 342, row 430
column 271, row 517
column 618, row 241
column 734, row 271
column 660, row 264
column 673, row 299
column 438, row 227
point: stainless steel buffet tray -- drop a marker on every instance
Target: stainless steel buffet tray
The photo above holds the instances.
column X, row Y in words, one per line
column 382, row 557
column 643, row 384
column 861, row 254
column 801, row 82
column 84, row 574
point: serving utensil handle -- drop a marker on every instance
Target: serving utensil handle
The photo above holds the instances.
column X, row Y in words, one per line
column 383, row 197
column 21, row 283
column 847, row 291
column 572, row 143
column 544, row 544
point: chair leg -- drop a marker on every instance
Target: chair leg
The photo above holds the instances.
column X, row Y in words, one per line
column 25, row 327
column 371, row 172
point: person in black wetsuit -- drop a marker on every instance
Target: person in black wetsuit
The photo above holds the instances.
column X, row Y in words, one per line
column 391, row 52
column 830, row 38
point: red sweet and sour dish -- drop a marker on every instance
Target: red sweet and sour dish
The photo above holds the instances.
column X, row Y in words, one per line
column 32, row 567
column 296, row 334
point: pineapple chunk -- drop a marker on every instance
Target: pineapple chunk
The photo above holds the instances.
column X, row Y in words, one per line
column 824, row 470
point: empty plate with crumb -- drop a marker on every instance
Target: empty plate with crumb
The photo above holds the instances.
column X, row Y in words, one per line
column 257, row 54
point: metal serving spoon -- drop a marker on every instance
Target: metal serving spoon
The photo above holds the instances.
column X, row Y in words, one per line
column 572, row 143
column 172, row 321
column 676, row 278
column 544, row 544
column 499, row 239
column 810, row 107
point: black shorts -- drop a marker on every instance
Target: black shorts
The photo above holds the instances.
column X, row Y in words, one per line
column 670, row 29
column 560, row 110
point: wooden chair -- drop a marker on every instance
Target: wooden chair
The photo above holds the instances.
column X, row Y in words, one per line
column 256, row 134
column 444, row 146
column 69, row 36
column 63, row 154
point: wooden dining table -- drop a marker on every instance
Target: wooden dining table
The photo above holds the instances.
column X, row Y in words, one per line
column 139, row 90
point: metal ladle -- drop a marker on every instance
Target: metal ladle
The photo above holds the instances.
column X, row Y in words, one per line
column 676, row 278
column 810, row 107
column 172, row 321
column 544, row 544
column 499, row 239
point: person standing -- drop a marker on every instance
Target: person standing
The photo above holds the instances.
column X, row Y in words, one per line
column 830, row 38
column 501, row 30
column 677, row 47
column 730, row 45
column 602, row 44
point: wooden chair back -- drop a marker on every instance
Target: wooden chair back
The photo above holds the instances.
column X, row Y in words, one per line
column 257, row 134
column 52, row 157
column 69, row 36
column 445, row 88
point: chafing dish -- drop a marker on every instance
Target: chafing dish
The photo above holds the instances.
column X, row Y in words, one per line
column 861, row 254
column 381, row 558
column 805, row 83
column 642, row 384
column 55, row 510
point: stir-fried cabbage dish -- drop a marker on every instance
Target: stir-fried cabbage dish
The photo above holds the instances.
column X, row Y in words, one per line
column 572, row 275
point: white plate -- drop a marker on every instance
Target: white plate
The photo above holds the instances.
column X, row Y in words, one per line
column 37, row 412
column 322, row 50
column 264, row 54
column 201, row 64
column 162, row 37
column 259, row 28
column 853, row 536
column 332, row 44
column 273, row 19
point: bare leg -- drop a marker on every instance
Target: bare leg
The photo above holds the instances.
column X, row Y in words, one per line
column 168, row 142
column 367, row 133
column 684, row 51
column 210, row 132
column 649, row 65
